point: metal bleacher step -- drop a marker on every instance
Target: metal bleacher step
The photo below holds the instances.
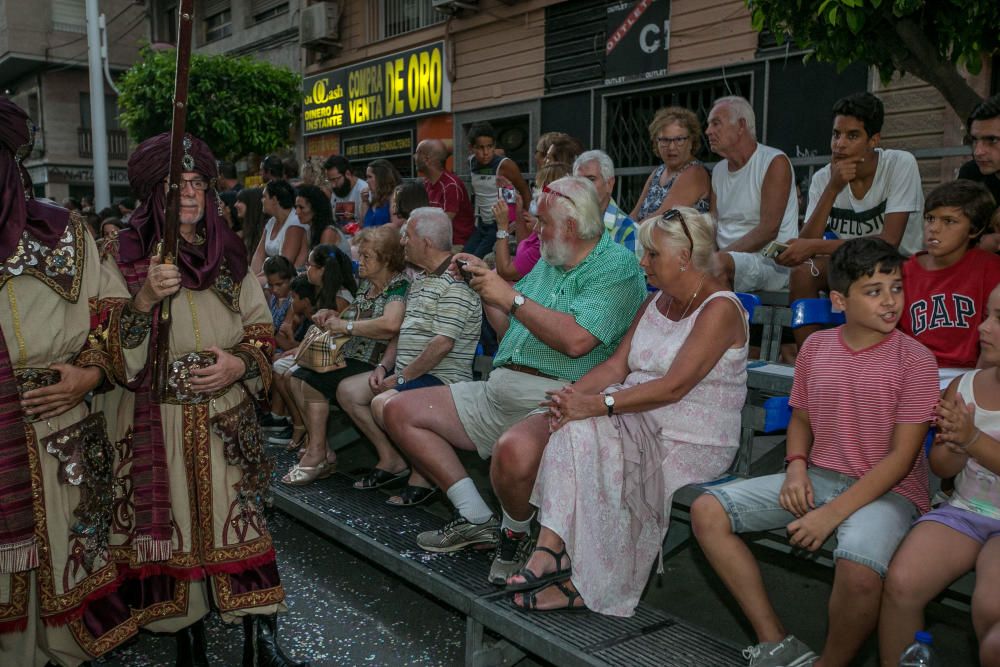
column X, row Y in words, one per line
column 362, row 522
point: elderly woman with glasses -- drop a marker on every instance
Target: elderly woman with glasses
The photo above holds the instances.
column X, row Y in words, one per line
column 681, row 180
column 662, row 412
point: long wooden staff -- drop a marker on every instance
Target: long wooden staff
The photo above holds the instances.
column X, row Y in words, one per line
column 168, row 249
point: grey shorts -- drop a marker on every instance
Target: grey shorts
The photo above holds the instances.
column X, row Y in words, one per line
column 487, row 409
column 868, row 537
column 756, row 273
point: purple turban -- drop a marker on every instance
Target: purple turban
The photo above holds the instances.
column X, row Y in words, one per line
column 18, row 208
column 200, row 264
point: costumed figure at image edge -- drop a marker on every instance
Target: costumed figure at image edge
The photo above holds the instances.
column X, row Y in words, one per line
column 55, row 457
column 191, row 473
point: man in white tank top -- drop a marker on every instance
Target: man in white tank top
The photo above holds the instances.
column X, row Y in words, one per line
column 753, row 199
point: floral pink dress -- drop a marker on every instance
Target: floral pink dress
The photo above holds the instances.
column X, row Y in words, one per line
column 605, row 485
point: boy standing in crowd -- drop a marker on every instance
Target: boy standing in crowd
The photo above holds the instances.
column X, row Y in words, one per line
column 863, row 396
column 485, row 164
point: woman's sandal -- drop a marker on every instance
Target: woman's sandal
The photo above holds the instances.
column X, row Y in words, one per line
column 530, row 598
column 302, row 475
column 412, row 495
column 296, row 443
column 377, row 478
column 534, row 581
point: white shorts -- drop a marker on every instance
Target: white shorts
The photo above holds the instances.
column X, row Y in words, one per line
column 756, row 273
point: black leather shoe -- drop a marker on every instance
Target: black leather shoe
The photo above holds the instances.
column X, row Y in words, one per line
column 192, row 646
column 260, row 643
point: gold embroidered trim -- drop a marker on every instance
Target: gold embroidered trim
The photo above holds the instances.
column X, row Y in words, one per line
column 22, row 350
column 60, row 268
column 194, row 320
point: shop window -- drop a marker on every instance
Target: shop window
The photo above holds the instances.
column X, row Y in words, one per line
column 513, row 138
column 388, row 18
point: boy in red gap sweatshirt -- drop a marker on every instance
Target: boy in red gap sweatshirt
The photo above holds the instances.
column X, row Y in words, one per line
column 947, row 284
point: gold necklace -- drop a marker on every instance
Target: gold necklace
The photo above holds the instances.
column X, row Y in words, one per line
column 693, row 297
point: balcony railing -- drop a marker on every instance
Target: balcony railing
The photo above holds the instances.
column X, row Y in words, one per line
column 117, row 143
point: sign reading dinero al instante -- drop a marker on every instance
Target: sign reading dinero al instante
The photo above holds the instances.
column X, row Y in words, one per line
column 403, row 85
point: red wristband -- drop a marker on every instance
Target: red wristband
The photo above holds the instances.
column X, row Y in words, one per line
column 796, row 457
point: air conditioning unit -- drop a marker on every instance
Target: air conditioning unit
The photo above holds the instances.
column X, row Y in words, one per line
column 319, row 27
column 453, row 7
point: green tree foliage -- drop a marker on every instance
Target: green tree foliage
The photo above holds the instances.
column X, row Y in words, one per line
column 237, row 105
column 928, row 38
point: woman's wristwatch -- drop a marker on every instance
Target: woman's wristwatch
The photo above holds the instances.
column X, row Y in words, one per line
column 502, row 234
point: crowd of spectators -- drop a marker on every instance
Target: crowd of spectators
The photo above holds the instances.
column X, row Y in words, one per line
column 621, row 348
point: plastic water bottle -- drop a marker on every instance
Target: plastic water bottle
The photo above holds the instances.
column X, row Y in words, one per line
column 919, row 653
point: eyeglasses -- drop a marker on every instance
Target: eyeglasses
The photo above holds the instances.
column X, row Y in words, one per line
column 198, row 184
column 988, row 140
column 671, row 141
column 674, row 214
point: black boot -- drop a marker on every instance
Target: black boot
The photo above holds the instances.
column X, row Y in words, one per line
column 260, row 643
column 192, row 646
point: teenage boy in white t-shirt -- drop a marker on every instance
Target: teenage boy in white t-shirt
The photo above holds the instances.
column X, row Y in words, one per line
column 864, row 191
column 862, row 398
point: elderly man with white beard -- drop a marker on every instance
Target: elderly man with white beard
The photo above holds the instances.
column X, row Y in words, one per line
column 555, row 324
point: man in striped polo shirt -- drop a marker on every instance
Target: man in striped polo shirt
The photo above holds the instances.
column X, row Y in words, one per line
column 863, row 396
column 555, row 324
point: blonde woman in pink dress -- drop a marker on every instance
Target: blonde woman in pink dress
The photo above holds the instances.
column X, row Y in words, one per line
column 662, row 412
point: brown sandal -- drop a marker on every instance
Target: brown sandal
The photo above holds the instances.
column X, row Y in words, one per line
column 530, row 598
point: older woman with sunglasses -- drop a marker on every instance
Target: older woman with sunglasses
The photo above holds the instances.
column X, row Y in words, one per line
column 662, row 412
column 681, row 180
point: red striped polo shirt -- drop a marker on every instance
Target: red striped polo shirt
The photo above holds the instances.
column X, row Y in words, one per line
column 856, row 397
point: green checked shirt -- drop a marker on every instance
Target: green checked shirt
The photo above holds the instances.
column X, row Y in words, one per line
column 602, row 293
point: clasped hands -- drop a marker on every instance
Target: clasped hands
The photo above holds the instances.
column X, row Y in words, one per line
column 567, row 404
column 955, row 422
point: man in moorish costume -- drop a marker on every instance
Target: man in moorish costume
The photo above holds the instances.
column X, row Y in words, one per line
column 191, row 474
column 55, row 458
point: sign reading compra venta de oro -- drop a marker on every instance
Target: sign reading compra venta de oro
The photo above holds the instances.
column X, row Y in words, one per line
column 404, row 85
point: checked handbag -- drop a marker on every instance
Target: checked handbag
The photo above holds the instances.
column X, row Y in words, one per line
column 321, row 351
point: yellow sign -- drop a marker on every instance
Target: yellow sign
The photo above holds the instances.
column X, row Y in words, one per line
column 403, row 85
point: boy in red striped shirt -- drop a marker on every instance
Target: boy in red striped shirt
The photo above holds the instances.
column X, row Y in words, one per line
column 862, row 398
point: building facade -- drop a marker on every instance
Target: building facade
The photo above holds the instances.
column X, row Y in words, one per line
column 597, row 69
column 43, row 68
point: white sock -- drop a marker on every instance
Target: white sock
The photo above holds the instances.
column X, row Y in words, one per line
column 466, row 499
column 516, row 526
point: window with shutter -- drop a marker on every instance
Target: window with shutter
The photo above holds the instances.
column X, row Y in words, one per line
column 217, row 19
column 261, row 10
column 69, row 16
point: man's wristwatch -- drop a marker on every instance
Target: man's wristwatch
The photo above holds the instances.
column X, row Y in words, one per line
column 609, row 401
column 518, row 302
column 350, row 327
column 400, row 380
column 502, row 234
